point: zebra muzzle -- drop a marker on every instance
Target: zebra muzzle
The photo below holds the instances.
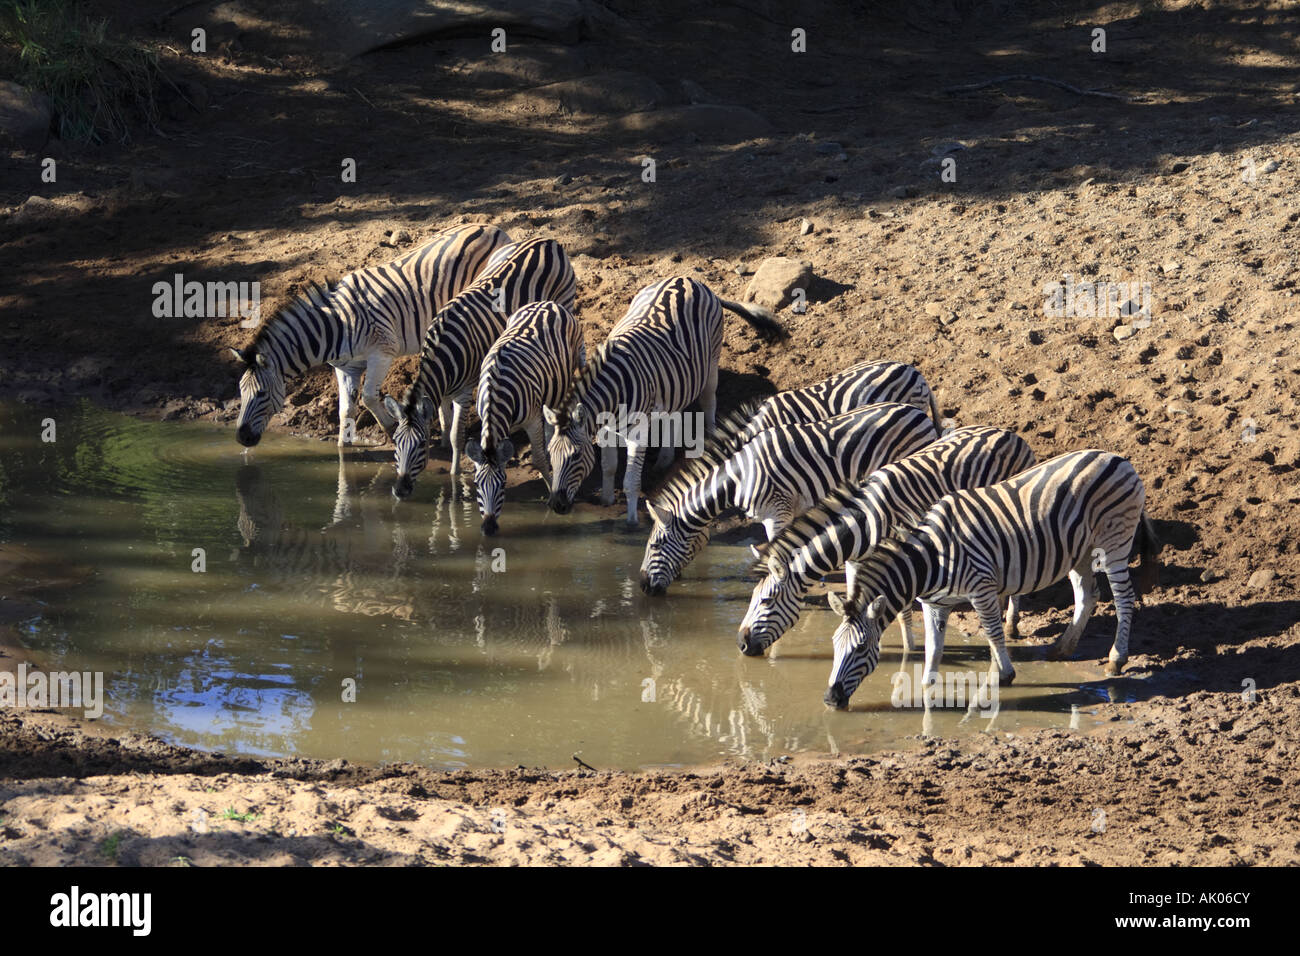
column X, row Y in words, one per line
column 490, row 526
column 403, row 486
column 560, row 504
column 649, row 587
column 835, row 696
column 750, row 648
column 247, row 437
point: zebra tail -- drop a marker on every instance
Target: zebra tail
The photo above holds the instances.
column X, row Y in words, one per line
column 763, row 320
column 1148, row 574
column 935, row 413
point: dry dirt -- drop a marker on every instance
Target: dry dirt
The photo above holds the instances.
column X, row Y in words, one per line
column 1191, row 187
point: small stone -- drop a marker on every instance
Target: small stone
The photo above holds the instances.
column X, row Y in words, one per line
column 934, row 309
column 563, row 180
column 1207, row 576
column 1122, row 332
column 806, row 228
column 1261, row 578
column 743, row 269
column 1179, row 166
column 1169, row 268
column 1269, row 167
column 1173, row 408
column 776, row 279
column 399, row 237
column 1035, row 338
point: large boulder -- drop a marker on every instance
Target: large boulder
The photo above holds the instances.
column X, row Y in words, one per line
column 776, row 279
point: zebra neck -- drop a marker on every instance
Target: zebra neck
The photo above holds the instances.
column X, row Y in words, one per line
column 901, row 571
column 437, row 368
column 707, row 498
column 300, row 338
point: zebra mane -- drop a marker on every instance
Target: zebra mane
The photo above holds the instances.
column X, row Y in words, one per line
column 414, row 392
column 722, row 444
column 313, row 299
column 581, row 383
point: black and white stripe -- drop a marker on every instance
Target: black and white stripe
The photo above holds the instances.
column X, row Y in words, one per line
column 844, row 527
column 359, row 325
column 529, row 367
column 536, row 270
column 660, row 357
column 776, row 475
column 1069, row 515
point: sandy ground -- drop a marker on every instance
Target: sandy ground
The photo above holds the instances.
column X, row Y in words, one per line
column 1190, row 188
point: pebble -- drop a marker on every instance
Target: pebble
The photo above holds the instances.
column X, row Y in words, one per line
column 1170, row 267
column 1269, row 167
column 1261, row 578
column 1122, row 332
column 563, row 180
column 806, row 228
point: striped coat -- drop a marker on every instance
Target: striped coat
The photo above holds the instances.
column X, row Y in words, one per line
column 360, row 326
column 530, row 366
column 1073, row 515
column 536, row 270
column 776, row 475
column 845, row 526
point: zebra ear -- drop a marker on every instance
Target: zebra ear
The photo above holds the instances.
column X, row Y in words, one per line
column 876, row 607
column 260, row 359
column 655, row 514
column 837, row 604
column 475, row 452
column 394, row 409
column 505, row 451
column 777, row 568
column 424, row 408
column 239, row 356
column 757, row 553
column 550, row 416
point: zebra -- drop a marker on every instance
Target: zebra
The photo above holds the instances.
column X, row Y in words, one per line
column 537, row 270
column 848, row 523
column 359, row 325
column 530, row 366
column 775, row 476
column 1074, row 514
column 661, row 356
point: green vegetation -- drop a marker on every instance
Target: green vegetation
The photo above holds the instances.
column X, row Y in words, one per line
column 99, row 84
column 111, row 845
column 231, row 814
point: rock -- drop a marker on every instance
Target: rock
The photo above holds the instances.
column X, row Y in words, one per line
column 24, row 116
column 1035, row 337
column 1122, row 332
column 1169, row 268
column 563, row 180
column 1179, row 167
column 1261, row 578
column 604, row 94
column 34, row 209
column 743, row 269
column 903, row 192
column 711, row 124
column 1174, row 408
column 1269, row 167
column 399, row 237
column 806, row 228
column 935, row 309
column 774, row 283
column 1207, row 576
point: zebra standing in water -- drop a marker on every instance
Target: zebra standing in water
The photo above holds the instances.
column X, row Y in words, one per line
column 360, row 326
column 661, row 356
column 848, row 523
column 773, row 477
column 529, row 367
column 536, row 270
column 1068, row 515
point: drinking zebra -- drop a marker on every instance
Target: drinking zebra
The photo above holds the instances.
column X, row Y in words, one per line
column 359, row 325
column 530, row 366
column 661, row 356
column 536, row 270
column 1069, row 515
column 776, row 475
column 848, row 523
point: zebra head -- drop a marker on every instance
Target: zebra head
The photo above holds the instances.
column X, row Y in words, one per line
column 573, row 455
column 410, row 441
column 773, row 608
column 672, row 546
column 261, row 395
column 490, row 479
column 857, row 645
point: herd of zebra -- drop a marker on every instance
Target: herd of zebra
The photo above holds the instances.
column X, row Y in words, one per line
column 855, row 472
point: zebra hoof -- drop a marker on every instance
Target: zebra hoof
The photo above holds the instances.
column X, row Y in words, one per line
column 1113, row 668
column 1056, row 653
column 1005, row 680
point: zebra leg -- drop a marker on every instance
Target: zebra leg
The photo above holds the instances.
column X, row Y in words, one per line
column 1121, row 586
column 446, row 419
column 1013, row 616
column 376, row 371
column 632, row 479
column 1085, row 599
column 669, row 438
column 535, row 427
column 709, row 400
column 989, row 609
column 608, row 465
column 349, row 377
column 459, row 419
column 907, row 624
column 936, row 622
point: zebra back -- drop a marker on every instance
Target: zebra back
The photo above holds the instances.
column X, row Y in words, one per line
column 662, row 349
column 850, row 520
column 460, row 336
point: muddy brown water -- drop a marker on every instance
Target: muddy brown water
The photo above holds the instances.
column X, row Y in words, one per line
column 461, row 650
